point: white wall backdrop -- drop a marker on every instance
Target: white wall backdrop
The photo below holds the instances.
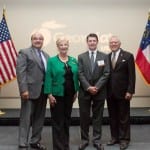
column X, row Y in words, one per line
column 76, row 19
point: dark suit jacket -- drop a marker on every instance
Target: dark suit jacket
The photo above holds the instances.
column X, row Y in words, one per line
column 29, row 71
column 99, row 76
column 122, row 77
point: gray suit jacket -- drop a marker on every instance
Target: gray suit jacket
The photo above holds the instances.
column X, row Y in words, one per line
column 96, row 78
column 29, row 71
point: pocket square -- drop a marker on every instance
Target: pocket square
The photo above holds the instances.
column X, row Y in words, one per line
column 123, row 60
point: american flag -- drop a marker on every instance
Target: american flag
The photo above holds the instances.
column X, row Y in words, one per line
column 8, row 54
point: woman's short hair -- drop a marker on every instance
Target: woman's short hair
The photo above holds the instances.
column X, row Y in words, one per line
column 59, row 39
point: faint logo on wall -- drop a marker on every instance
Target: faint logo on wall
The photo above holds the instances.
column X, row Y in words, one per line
column 51, row 30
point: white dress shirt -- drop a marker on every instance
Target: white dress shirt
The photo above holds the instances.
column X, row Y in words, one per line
column 94, row 53
column 116, row 55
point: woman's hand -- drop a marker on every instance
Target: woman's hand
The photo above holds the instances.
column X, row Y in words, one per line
column 52, row 100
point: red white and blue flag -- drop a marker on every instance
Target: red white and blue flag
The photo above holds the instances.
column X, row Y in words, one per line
column 8, row 54
column 143, row 55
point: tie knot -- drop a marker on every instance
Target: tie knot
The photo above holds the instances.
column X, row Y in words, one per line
column 39, row 51
column 114, row 53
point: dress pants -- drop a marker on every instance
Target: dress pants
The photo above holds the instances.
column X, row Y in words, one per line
column 32, row 113
column 119, row 114
column 61, row 117
column 97, row 115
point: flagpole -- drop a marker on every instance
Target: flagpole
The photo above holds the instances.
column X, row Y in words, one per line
column 4, row 11
column 1, row 112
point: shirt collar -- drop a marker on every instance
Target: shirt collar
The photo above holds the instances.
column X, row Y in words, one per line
column 94, row 52
column 117, row 52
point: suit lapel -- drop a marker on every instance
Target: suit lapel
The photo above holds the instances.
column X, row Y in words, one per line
column 109, row 55
column 98, row 57
column 36, row 58
column 46, row 57
column 88, row 61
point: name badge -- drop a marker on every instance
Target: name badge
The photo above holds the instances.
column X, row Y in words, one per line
column 100, row 62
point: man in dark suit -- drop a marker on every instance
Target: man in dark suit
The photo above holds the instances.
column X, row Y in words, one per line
column 31, row 65
column 121, row 87
column 93, row 75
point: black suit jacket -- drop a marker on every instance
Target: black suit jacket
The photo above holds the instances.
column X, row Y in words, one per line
column 98, row 77
column 122, row 77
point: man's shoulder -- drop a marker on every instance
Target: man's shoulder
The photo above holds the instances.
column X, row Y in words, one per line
column 25, row 50
column 126, row 52
column 82, row 54
column 101, row 53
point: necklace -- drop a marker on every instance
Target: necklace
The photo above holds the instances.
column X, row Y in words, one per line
column 63, row 59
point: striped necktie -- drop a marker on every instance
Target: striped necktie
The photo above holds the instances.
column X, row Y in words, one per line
column 41, row 60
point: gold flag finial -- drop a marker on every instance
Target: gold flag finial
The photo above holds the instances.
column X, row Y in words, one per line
column 4, row 11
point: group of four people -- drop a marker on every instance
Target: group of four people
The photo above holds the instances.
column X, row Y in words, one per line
column 97, row 76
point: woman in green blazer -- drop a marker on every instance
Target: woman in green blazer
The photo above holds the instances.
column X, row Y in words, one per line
column 61, row 85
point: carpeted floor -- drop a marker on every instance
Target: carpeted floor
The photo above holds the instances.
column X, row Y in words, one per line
column 140, row 138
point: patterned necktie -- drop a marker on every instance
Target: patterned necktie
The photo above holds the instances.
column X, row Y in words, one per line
column 113, row 60
column 42, row 62
column 92, row 60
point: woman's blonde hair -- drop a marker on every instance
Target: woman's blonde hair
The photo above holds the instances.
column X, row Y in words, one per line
column 59, row 39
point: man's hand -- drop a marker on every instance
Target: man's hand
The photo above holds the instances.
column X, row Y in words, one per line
column 25, row 95
column 128, row 96
column 92, row 90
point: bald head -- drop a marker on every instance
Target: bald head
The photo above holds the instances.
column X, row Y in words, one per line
column 37, row 40
column 37, row 34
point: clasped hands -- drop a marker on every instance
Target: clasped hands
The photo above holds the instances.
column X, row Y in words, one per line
column 92, row 90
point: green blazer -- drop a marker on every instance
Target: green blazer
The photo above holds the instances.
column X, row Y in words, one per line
column 54, row 78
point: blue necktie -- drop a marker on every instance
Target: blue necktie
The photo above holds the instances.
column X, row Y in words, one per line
column 42, row 63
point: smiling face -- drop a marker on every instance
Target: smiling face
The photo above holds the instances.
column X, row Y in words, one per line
column 114, row 43
column 62, row 45
column 37, row 40
column 92, row 41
